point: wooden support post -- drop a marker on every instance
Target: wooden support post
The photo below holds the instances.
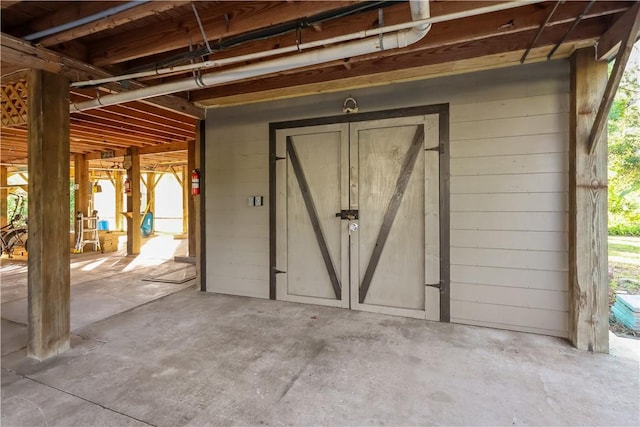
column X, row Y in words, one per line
column 151, row 195
column 191, row 207
column 134, row 237
column 118, row 179
column 48, row 274
column 588, row 278
column 4, row 193
column 199, row 208
column 185, row 200
column 81, row 181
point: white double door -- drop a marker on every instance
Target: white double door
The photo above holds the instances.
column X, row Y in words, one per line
column 357, row 216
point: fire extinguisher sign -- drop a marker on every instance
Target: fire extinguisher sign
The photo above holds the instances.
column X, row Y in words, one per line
column 195, row 182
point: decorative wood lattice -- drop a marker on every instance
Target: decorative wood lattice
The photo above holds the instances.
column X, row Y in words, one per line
column 14, row 104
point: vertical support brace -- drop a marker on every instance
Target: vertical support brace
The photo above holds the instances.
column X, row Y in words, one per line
column 588, row 275
column 49, row 278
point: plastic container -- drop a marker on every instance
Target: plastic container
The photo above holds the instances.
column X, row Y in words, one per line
column 103, row 225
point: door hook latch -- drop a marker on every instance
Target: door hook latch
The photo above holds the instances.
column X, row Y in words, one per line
column 350, row 214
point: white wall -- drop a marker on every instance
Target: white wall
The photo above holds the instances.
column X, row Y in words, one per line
column 509, row 143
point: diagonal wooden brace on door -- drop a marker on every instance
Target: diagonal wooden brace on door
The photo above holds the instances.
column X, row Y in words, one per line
column 392, row 210
column 313, row 215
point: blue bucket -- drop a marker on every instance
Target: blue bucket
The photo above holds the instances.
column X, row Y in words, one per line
column 103, row 225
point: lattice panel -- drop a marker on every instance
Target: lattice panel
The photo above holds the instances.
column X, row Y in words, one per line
column 14, row 104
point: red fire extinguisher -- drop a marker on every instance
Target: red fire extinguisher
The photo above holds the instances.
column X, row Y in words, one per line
column 195, row 182
column 127, row 185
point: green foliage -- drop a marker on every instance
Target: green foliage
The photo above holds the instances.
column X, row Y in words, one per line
column 14, row 206
column 624, row 230
column 624, row 154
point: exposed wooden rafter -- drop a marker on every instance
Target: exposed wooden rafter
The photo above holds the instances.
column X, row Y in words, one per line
column 138, row 12
column 24, row 54
column 628, row 36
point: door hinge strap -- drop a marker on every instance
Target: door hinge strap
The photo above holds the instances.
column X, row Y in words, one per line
column 280, row 158
column 438, row 148
column 276, row 271
column 434, row 285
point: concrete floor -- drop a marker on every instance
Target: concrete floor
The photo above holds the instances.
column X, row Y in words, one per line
column 193, row 359
column 102, row 285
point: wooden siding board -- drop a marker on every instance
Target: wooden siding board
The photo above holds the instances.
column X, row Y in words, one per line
column 493, row 128
column 510, row 316
column 511, row 145
column 555, row 182
column 521, row 240
column 530, row 221
column 510, row 258
column 510, row 296
column 514, row 164
column 509, row 202
column 510, row 277
column 513, row 107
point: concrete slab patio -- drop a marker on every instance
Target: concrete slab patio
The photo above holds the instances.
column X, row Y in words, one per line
column 102, row 285
column 193, row 359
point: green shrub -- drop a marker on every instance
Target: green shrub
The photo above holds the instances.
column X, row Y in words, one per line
column 624, row 230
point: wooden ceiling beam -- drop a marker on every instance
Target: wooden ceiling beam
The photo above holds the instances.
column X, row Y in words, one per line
column 180, row 33
column 124, row 123
column 610, row 42
column 629, row 36
column 160, row 148
column 129, row 15
column 72, row 11
column 125, row 129
column 146, row 112
column 23, row 54
column 103, row 135
column 461, row 30
column 484, row 53
column 8, row 3
column 471, row 29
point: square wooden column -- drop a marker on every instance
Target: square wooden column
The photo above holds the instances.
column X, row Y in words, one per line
column 191, row 209
column 118, row 178
column 134, row 238
column 199, row 216
column 81, row 181
column 49, row 273
column 4, row 193
column 588, row 274
column 185, row 200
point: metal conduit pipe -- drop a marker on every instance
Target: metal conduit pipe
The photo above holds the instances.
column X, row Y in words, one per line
column 300, row 47
column 402, row 35
column 87, row 19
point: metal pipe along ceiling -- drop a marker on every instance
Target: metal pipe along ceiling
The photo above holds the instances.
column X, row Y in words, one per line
column 395, row 36
column 87, row 19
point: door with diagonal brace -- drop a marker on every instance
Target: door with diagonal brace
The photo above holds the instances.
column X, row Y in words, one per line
column 357, row 216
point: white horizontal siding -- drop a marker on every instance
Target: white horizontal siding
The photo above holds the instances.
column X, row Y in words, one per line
column 509, row 182
column 513, row 239
column 549, row 322
column 508, row 143
column 511, row 145
column 530, row 221
column 511, row 277
column 555, row 182
column 510, row 296
column 507, row 202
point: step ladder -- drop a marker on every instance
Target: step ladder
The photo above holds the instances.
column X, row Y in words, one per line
column 87, row 232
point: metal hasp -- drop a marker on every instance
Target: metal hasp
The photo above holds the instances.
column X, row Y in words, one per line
column 350, row 214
